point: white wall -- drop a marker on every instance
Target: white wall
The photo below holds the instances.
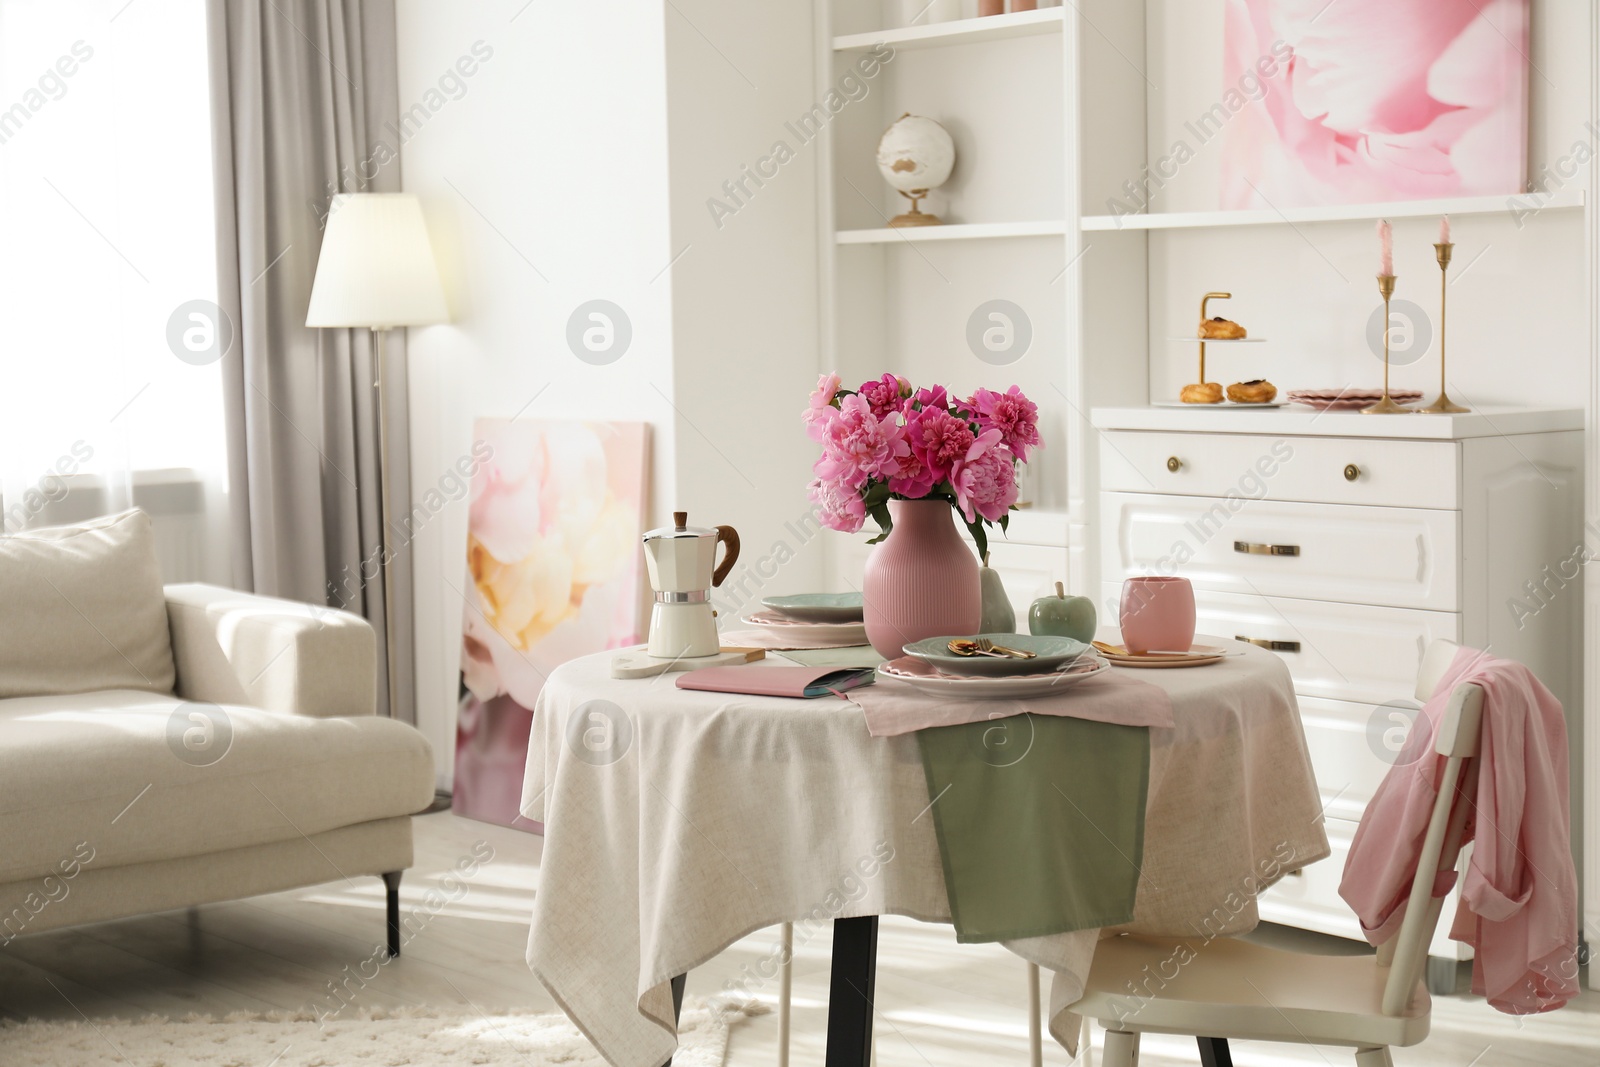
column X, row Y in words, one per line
column 548, row 182
column 545, row 186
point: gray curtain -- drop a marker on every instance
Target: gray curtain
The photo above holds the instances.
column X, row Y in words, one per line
column 303, row 94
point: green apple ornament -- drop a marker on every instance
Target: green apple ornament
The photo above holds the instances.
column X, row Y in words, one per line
column 1063, row 616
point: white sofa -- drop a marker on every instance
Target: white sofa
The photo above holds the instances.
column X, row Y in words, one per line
column 260, row 766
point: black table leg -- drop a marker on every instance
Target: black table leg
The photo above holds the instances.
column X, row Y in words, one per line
column 850, row 993
column 1214, row 1052
column 677, row 1005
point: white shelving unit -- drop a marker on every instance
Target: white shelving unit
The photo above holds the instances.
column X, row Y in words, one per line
column 900, row 299
column 968, row 231
column 1461, row 205
column 961, row 31
column 1056, row 115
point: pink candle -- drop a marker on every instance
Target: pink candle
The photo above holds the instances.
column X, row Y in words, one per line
column 1444, row 229
column 1385, row 248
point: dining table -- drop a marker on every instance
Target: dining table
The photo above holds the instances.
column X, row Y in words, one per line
column 678, row 821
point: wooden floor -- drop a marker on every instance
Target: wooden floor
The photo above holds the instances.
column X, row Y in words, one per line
column 938, row 1003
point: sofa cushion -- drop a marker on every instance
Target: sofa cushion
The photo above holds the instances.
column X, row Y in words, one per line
column 139, row 776
column 83, row 609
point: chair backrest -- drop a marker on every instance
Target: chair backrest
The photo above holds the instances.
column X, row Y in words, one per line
column 1457, row 740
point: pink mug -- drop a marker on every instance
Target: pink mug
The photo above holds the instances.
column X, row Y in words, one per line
column 1157, row 614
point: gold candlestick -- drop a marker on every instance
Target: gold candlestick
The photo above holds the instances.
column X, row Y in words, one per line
column 1386, row 406
column 1444, row 405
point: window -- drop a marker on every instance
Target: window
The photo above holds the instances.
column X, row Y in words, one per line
column 106, row 235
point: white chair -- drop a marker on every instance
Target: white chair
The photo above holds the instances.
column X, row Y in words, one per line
column 1236, row 989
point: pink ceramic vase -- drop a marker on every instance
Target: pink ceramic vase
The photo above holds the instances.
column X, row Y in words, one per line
column 922, row 581
column 1157, row 614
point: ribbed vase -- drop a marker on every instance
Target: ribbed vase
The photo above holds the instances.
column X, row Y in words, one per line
column 922, row 581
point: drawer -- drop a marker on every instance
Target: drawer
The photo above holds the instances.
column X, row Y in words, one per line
column 1341, row 651
column 1414, row 474
column 1352, row 747
column 1309, row 898
column 1401, row 557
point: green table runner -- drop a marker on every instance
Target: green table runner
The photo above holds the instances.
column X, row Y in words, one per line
column 1040, row 821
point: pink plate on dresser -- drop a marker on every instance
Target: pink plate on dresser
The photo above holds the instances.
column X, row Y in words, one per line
column 1349, row 399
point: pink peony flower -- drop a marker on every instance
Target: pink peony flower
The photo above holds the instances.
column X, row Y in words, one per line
column 985, row 478
column 939, row 439
column 821, row 410
column 931, row 398
column 908, row 476
column 1013, row 414
column 886, row 394
column 838, row 508
column 857, row 446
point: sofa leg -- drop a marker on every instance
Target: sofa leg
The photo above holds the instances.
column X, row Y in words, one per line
column 391, row 882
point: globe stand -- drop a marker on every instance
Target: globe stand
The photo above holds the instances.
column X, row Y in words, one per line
column 915, row 217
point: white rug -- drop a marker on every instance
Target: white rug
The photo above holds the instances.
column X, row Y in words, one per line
column 375, row 1038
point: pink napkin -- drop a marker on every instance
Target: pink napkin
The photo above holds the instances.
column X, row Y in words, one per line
column 895, row 708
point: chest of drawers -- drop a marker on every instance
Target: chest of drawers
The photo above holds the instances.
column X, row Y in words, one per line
column 1346, row 543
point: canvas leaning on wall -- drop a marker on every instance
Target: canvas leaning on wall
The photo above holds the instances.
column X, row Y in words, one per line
column 553, row 573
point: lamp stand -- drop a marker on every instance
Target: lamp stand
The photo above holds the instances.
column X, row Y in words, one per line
column 385, row 558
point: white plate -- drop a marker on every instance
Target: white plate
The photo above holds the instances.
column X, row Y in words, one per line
column 924, row 678
column 795, row 630
column 1225, row 405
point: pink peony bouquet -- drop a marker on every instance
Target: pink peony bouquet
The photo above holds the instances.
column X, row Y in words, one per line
column 887, row 441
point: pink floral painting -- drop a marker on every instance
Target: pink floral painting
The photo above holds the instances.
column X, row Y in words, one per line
column 1364, row 101
column 553, row 573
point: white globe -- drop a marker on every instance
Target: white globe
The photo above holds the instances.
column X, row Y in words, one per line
column 916, row 153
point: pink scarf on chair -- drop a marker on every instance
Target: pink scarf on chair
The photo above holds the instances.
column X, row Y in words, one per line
column 1519, row 899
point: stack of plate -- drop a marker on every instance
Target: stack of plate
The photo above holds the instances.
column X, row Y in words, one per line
column 1058, row 663
column 1349, row 398
column 1204, row 650
column 831, row 619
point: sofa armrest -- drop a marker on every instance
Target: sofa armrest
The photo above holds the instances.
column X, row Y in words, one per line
column 302, row 659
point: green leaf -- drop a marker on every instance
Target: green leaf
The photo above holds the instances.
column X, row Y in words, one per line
column 1005, row 523
column 980, row 536
column 880, row 515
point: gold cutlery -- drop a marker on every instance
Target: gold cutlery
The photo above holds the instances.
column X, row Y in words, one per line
column 1118, row 650
column 985, row 647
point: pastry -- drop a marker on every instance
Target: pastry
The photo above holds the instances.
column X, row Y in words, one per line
column 1257, row 391
column 1221, row 329
column 1204, row 393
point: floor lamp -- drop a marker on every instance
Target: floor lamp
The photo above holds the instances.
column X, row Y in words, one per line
column 376, row 270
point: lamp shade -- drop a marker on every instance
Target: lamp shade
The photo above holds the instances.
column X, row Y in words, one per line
column 376, row 267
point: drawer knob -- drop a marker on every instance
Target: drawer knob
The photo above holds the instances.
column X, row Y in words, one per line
column 1255, row 549
column 1351, row 472
column 1269, row 645
column 1174, row 464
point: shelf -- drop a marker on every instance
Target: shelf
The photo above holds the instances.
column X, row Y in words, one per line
column 1461, row 205
column 957, row 231
column 957, row 31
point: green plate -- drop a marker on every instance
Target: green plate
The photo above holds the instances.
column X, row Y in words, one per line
column 1049, row 653
column 817, row 607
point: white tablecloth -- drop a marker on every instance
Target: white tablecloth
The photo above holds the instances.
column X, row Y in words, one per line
column 678, row 821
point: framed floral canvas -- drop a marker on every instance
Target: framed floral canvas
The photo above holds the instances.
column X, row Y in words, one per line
column 553, row 572
column 1366, row 101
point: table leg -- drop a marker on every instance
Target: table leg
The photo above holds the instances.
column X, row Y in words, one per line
column 1214, row 1052
column 677, row 1005
column 850, row 992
